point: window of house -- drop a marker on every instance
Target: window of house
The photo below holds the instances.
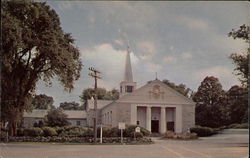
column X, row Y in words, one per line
column 129, row 89
column 138, row 122
column 78, row 123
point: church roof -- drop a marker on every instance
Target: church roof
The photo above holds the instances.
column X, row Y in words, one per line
column 72, row 114
column 128, row 75
column 146, row 94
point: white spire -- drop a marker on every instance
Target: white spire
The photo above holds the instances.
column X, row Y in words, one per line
column 128, row 76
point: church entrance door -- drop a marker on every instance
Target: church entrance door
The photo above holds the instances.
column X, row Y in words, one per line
column 155, row 126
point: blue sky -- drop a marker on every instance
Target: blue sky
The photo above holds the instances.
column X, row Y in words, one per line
column 182, row 41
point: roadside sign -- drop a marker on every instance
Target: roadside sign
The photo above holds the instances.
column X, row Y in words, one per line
column 121, row 125
column 137, row 129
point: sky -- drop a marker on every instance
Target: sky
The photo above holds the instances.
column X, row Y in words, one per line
column 182, row 41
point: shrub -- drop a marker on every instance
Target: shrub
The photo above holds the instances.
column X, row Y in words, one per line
column 20, row 132
column 169, row 134
column 238, row 126
column 49, row 131
column 75, row 131
column 130, row 129
column 138, row 135
column 203, row 131
column 34, row 132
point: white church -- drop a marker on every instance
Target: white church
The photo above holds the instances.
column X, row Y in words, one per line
column 154, row 106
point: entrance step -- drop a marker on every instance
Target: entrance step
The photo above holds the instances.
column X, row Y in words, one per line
column 155, row 135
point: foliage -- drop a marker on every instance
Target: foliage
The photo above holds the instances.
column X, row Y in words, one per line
column 130, row 129
column 70, row 106
column 181, row 88
column 237, row 99
column 34, row 132
column 238, row 126
column 203, row 131
column 42, row 101
column 56, row 117
column 172, row 135
column 210, row 103
column 49, row 131
column 102, row 93
column 241, row 60
column 34, row 47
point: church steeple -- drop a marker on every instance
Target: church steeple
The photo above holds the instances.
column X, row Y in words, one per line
column 128, row 76
column 127, row 85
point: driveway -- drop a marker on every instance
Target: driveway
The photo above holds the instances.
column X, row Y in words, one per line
column 232, row 143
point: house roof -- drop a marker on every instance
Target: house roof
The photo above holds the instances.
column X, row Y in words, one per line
column 100, row 103
column 72, row 114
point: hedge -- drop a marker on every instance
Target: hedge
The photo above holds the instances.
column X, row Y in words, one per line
column 203, row 131
column 49, row 131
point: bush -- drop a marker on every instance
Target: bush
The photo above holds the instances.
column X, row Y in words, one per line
column 20, row 132
column 49, row 131
column 130, row 129
column 75, row 131
column 238, row 126
column 203, row 131
column 33, row 132
column 138, row 135
column 169, row 134
column 109, row 132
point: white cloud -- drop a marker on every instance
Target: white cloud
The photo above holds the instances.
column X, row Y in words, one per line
column 65, row 5
column 147, row 49
column 186, row 55
column 169, row 59
column 224, row 74
column 192, row 23
column 119, row 42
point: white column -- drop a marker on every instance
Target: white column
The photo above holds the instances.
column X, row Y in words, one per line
column 178, row 119
column 163, row 120
column 148, row 119
column 133, row 114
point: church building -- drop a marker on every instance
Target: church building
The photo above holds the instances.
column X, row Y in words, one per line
column 154, row 106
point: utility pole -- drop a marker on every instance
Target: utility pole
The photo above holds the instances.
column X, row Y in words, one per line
column 94, row 73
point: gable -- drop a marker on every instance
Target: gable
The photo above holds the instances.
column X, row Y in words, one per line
column 156, row 92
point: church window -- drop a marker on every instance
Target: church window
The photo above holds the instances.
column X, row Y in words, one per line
column 138, row 122
column 129, row 89
column 78, row 123
column 121, row 89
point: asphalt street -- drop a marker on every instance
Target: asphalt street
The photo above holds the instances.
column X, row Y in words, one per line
column 232, row 143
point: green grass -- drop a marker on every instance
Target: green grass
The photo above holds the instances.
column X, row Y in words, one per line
column 69, row 143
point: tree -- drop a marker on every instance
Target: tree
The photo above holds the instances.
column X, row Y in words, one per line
column 71, row 106
column 34, row 47
column 181, row 88
column 210, row 103
column 237, row 101
column 56, row 117
column 241, row 61
column 42, row 101
column 112, row 95
column 102, row 93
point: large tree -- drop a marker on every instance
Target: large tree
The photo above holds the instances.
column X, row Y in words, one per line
column 181, row 88
column 237, row 101
column 210, row 103
column 34, row 47
column 71, row 106
column 42, row 101
column 102, row 93
column 56, row 117
column 241, row 59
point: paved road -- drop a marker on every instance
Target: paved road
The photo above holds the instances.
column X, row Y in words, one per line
column 231, row 144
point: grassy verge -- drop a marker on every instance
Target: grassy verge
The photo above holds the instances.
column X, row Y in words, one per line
column 69, row 143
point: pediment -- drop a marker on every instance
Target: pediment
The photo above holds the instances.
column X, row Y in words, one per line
column 156, row 92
